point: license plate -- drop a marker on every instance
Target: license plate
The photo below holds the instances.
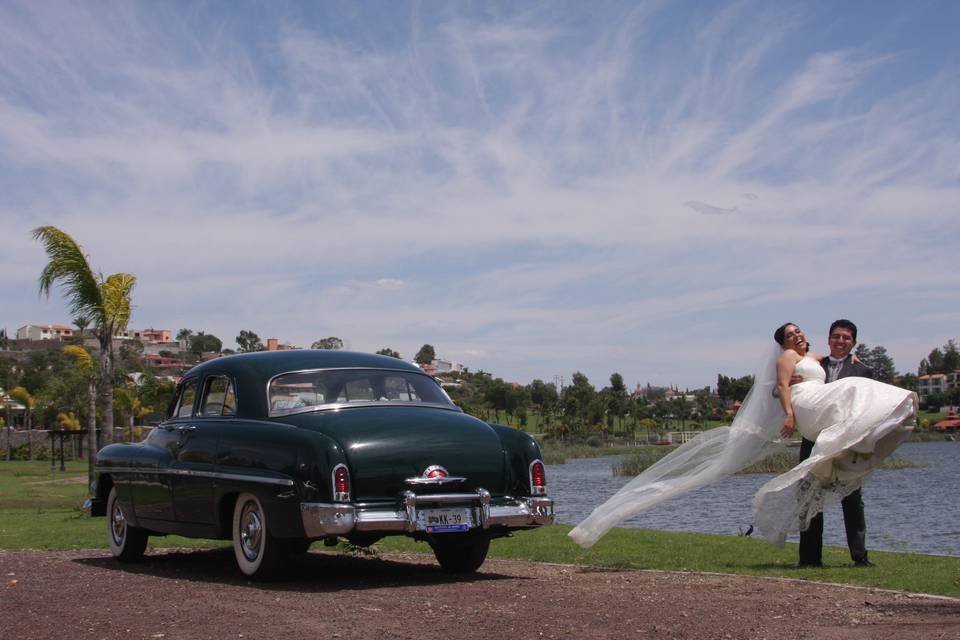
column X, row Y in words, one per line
column 444, row 520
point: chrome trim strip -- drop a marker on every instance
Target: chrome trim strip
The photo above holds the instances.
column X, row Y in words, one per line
column 355, row 405
column 283, row 482
column 434, row 481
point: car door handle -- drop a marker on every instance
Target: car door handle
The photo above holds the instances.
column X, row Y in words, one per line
column 188, row 428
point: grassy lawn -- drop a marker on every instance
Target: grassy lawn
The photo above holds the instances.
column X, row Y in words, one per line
column 41, row 510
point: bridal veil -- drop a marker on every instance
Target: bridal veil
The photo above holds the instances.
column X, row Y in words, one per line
column 753, row 435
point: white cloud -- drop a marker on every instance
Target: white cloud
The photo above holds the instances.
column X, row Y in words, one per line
column 518, row 186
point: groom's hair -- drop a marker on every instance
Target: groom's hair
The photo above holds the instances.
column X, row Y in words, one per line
column 844, row 324
column 778, row 334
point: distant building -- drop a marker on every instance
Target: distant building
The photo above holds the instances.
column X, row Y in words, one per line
column 44, row 332
column 446, row 366
column 154, row 335
column 273, row 344
column 932, row 383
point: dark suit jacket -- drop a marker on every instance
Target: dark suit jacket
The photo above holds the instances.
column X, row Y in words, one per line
column 848, row 369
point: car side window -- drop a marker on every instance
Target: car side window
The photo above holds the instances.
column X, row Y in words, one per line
column 219, row 398
column 188, row 393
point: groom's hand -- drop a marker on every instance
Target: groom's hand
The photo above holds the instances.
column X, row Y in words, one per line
column 795, row 379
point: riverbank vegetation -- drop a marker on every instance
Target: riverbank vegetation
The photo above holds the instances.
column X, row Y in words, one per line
column 40, row 509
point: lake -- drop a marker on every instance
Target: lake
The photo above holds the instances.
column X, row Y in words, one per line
column 914, row 510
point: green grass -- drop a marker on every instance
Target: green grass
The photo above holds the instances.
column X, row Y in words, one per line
column 671, row 551
column 37, row 514
column 40, row 509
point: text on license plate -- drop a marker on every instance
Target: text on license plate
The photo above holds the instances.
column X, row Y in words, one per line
column 444, row 520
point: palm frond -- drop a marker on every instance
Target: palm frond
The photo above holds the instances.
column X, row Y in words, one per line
column 116, row 295
column 82, row 356
column 69, row 268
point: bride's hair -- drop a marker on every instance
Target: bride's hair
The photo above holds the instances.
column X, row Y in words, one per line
column 778, row 334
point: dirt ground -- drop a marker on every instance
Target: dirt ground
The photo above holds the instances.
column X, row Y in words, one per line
column 199, row 594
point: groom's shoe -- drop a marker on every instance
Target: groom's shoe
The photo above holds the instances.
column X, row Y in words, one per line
column 863, row 563
column 809, row 565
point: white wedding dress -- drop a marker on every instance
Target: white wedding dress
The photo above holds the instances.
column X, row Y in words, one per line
column 856, row 423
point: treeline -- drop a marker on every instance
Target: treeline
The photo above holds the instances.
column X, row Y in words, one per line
column 579, row 411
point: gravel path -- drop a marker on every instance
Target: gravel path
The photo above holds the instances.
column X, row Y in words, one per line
column 177, row 594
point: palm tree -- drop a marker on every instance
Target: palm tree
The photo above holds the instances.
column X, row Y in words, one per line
column 81, row 323
column 85, row 364
column 24, row 397
column 106, row 302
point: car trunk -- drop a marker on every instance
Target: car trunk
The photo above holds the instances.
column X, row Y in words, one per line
column 387, row 445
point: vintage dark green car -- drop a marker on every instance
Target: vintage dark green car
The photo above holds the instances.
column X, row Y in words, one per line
column 275, row 450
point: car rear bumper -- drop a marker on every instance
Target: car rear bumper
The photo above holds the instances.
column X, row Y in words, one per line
column 322, row 519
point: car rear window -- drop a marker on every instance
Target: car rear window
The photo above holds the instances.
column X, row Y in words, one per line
column 330, row 388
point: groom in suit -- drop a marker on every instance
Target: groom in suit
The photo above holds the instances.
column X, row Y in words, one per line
column 839, row 364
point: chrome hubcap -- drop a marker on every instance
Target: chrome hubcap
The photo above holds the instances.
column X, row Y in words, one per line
column 251, row 531
column 118, row 524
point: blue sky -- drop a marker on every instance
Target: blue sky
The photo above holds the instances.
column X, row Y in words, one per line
column 533, row 188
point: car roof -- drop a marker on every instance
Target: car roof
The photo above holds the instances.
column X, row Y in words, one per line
column 266, row 364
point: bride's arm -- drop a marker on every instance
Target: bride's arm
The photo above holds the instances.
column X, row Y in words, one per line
column 785, row 366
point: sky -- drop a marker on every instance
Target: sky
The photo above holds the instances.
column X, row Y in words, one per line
column 648, row 188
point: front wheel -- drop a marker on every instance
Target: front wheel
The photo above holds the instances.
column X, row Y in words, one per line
column 127, row 543
column 259, row 555
column 460, row 552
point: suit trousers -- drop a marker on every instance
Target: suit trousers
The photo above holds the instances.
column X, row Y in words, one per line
column 811, row 540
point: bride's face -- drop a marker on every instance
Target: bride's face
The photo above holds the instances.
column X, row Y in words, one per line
column 793, row 338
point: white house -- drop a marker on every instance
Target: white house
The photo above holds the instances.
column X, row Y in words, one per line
column 44, row 332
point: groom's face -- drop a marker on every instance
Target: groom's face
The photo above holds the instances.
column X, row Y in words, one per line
column 841, row 342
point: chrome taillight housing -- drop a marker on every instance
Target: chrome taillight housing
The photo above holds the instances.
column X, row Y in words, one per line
column 341, row 483
column 538, row 478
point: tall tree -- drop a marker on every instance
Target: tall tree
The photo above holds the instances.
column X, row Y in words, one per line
column 426, row 355
column 332, row 343
column 202, row 342
column 578, row 401
column 733, row 389
column 543, row 396
column 617, row 397
column 951, row 357
column 81, row 323
column 185, row 335
column 29, row 402
column 84, row 363
column 248, row 341
column 941, row 361
column 106, row 301
column 879, row 362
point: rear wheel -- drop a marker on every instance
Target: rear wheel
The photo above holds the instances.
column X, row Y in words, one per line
column 127, row 543
column 259, row 555
column 460, row 552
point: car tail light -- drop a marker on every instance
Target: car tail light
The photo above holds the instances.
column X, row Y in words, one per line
column 341, row 483
column 538, row 479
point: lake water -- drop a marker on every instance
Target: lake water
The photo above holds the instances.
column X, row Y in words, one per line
column 915, row 510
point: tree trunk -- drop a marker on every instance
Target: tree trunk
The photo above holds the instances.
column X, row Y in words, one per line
column 9, row 420
column 91, row 429
column 29, row 433
column 106, row 388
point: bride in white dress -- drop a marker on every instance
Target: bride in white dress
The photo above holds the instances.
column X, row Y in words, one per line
column 855, row 422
